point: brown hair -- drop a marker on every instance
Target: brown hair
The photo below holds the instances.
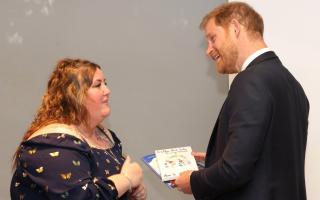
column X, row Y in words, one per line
column 63, row 101
column 240, row 11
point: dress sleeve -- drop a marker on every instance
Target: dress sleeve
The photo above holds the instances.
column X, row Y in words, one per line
column 64, row 171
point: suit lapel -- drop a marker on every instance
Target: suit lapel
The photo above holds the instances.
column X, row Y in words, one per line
column 214, row 135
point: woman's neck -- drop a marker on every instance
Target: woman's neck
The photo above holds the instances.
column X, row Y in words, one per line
column 86, row 131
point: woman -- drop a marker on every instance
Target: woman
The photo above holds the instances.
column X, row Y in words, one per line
column 66, row 153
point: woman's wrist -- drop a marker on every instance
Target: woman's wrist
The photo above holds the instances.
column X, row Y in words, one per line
column 129, row 180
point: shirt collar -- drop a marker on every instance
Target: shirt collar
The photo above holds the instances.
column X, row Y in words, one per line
column 253, row 56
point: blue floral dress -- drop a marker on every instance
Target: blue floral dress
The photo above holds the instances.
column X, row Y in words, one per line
column 60, row 166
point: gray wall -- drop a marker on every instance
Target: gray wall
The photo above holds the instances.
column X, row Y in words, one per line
column 164, row 90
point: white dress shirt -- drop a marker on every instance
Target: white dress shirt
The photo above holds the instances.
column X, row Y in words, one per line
column 253, row 56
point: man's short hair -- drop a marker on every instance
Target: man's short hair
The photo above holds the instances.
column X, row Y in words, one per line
column 240, row 11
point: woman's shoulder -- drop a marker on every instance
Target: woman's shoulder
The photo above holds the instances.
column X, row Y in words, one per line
column 54, row 129
column 56, row 136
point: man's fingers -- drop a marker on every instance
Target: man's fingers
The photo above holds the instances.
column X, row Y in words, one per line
column 199, row 155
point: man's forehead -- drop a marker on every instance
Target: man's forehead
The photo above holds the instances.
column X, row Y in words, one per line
column 210, row 26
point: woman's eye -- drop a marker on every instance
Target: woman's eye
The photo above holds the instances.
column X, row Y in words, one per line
column 97, row 85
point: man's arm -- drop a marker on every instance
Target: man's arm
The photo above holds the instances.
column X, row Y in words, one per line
column 249, row 109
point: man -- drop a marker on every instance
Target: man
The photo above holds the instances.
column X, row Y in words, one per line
column 257, row 147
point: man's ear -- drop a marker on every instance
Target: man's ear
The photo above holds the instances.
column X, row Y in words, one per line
column 235, row 27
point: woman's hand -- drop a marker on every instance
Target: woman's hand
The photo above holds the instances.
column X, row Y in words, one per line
column 129, row 178
column 139, row 193
column 132, row 171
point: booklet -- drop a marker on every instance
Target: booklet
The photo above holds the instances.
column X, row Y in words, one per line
column 173, row 161
column 169, row 163
column 151, row 161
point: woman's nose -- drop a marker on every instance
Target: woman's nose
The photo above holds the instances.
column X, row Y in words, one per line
column 106, row 90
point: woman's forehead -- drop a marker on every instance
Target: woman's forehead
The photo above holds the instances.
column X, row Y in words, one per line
column 98, row 74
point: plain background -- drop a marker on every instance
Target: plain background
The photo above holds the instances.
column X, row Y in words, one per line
column 164, row 90
column 292, row 31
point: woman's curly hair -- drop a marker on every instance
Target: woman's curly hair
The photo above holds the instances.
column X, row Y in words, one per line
column 63, row 101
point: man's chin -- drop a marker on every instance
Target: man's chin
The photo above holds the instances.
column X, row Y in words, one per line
column 222, row 70
column 226, row 70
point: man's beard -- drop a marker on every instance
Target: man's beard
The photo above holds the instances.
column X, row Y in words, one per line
column 229, row 55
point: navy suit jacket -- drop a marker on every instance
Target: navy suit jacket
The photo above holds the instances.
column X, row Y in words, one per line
column 257, row 147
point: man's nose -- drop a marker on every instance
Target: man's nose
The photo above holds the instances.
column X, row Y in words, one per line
column 209, row 49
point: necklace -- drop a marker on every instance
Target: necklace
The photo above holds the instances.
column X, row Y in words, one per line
column 101, row 135
column 111, row 154
column 98, row 140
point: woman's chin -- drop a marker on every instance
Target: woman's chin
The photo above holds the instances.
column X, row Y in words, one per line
column 106, row 113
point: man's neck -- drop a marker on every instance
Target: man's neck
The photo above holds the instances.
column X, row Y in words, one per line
column 247, row 49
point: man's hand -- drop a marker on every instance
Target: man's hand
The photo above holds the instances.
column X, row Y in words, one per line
column 199, row 156
column 183, row 182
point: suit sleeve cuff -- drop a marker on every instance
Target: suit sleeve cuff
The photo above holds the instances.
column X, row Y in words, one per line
column 196, row 182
